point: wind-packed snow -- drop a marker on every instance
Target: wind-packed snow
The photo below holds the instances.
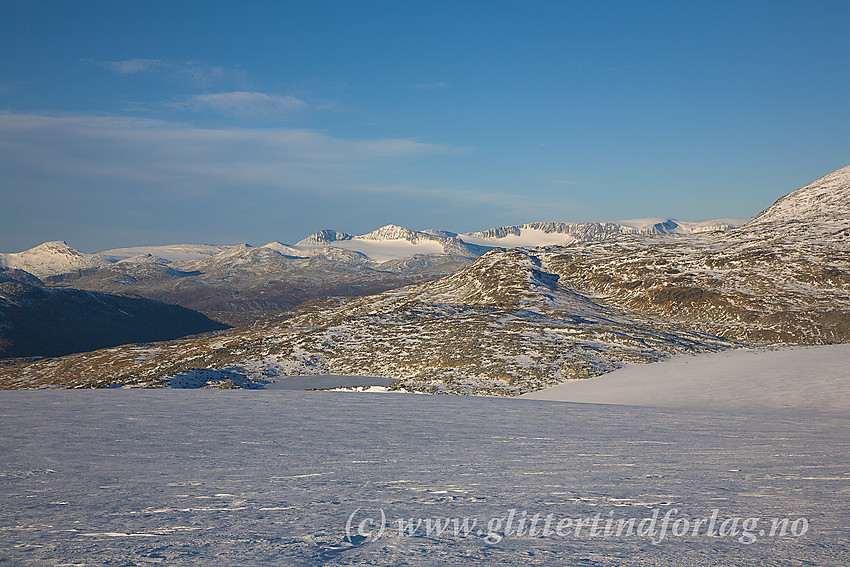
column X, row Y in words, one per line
column 253, row 477
column 794, row 377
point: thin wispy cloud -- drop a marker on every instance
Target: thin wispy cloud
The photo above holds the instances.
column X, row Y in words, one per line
column 431, row 86
column 507, row 200
column 132, row 66
column 102, row 151
column 98, row 174
column 197, row 72
column 118, row 165
column 242, row 103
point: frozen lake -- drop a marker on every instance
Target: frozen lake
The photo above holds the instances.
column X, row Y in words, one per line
column 324, row 381
column 224, row 477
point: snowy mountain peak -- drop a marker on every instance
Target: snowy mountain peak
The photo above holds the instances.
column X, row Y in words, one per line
column 824, row 200
column 49, row 258
column 392, row 232
column 53, row 247
column 391, row 242
column 324, row 237
column 284, row 249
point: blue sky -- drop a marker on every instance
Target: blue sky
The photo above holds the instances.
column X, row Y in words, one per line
column 129, row 123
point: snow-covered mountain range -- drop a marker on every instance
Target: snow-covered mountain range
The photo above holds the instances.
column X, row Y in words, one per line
column 232, row 282
column 516, row 320
column 390, row 242
column 819, row 201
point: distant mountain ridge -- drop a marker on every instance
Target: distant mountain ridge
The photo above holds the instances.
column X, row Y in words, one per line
column 600, row 230
column 324, row 237
column 389, row 242
column 517, row 319
column 231, row 282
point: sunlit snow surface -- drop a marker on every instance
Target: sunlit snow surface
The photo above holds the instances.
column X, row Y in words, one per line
column 201, row 477
column 797, row 377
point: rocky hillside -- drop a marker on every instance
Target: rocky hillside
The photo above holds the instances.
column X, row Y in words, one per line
column 502, row 326
column 822, row 205
column 38, row 321
column 240, row 283
column 782, row 277
column 520, row 319
column 243, row 281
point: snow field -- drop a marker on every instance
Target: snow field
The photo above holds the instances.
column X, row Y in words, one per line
column 212, row 477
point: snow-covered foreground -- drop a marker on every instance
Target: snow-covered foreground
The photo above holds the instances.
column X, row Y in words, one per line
column 790, row 378
column 201, row 477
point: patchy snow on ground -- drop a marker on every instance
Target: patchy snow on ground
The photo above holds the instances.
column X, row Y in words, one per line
column 789, row 378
